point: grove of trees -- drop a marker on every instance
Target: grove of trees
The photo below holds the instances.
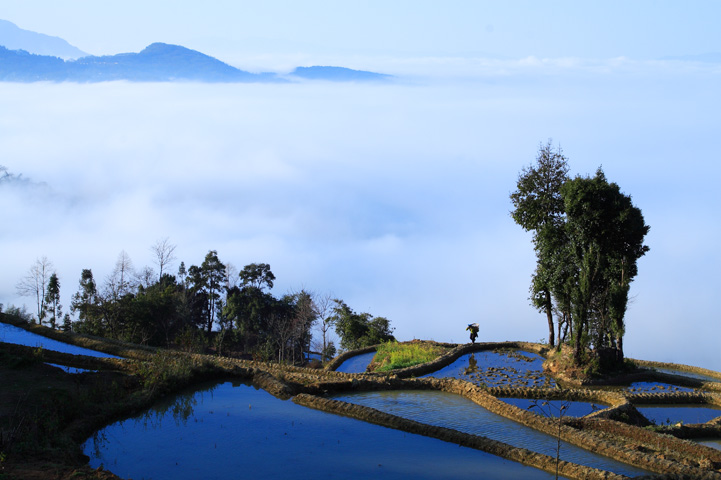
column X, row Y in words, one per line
column 588, row 237
column 207, row 306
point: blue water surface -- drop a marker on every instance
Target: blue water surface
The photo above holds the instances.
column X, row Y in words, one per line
column 232, row 430
column 498, row 368
column 551, row 408
column 12, row 334
column 357, row 363
column 672, row 414
column 456, row 412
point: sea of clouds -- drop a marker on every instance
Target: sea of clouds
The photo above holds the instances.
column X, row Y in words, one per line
column 393, row 197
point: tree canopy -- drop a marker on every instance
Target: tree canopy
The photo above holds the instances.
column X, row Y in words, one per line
column 588, row 237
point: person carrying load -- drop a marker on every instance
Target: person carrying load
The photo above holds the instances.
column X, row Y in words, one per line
column 473, row 327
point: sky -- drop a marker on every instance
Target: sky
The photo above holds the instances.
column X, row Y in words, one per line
column 393, row 197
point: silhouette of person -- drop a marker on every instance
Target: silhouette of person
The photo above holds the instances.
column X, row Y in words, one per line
column 473, row 327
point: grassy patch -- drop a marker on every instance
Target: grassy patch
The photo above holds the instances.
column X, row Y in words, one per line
column 393, row 355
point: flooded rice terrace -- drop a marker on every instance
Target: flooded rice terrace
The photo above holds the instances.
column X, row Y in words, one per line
column 231, row 430
column 453, row 411
column 673, row 414
column 12, row 334
column 228, row 429
column 498, row 368
column 356, row 363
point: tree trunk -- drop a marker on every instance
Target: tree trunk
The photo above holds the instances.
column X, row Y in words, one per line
column 549, row 316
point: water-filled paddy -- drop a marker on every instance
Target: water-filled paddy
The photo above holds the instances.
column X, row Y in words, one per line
column 18, row 336
column 656, row 387
column 672, row 414
column 498, row 368
column 233, row 430
column 456, row 412
column 552, row 408
column 716, row 443
column 357, row 363
column 695, row 376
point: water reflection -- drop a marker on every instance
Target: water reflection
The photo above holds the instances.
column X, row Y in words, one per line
column 18, row 336
column 454, row 411
column 233, row 430
column 507, row 368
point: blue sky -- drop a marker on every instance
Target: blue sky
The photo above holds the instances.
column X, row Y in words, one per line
column 391, row 197
column 514, row 29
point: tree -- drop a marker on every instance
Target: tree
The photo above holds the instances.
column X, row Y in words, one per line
column 85, row 303
column 35, row 283
column 164, row 254
column 605, row 232
column 358, row 330
column 539, row 208
column 323, row 310
column 257, row 275
column 207, row 282
column 52, row 300
column 121, row 280
column 588, row 237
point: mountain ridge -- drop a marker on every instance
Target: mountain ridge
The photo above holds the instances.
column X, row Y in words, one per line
column 15, row 38
column 158, row 62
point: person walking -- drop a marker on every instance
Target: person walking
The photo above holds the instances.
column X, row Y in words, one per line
column 473, row 327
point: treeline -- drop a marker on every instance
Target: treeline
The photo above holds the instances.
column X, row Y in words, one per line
column 588, row 237
column 201, row 308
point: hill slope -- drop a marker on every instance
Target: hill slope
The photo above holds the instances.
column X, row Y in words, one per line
column 13, row 37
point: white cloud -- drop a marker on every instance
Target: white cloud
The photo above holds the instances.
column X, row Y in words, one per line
column 392, row 197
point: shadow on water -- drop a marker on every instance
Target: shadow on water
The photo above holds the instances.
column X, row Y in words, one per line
column 231, row 430
column 453, row 411
column 498, row 368
column 18, row 336
column 357, row 363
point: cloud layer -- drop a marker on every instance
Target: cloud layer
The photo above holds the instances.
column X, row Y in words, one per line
column 392, row 197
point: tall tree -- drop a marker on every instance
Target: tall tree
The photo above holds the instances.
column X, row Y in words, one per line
column 84, row 302
column 122, row 280
column 539, row 208
column 323, row 311
column 606, row 233
column 164, row 254
column 257, row 275
column 52, row 300
column 207, row 283
column 34, row 284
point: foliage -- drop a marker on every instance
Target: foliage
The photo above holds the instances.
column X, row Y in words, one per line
column 588, row 237
column 393, row 355
column 358, row 330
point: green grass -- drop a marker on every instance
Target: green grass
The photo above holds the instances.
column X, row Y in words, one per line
column 393, row 355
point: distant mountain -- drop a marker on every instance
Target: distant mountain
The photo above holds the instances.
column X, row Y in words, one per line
column 158, row 62
column 338, row 74
column 161, row 62
column 13, row 37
